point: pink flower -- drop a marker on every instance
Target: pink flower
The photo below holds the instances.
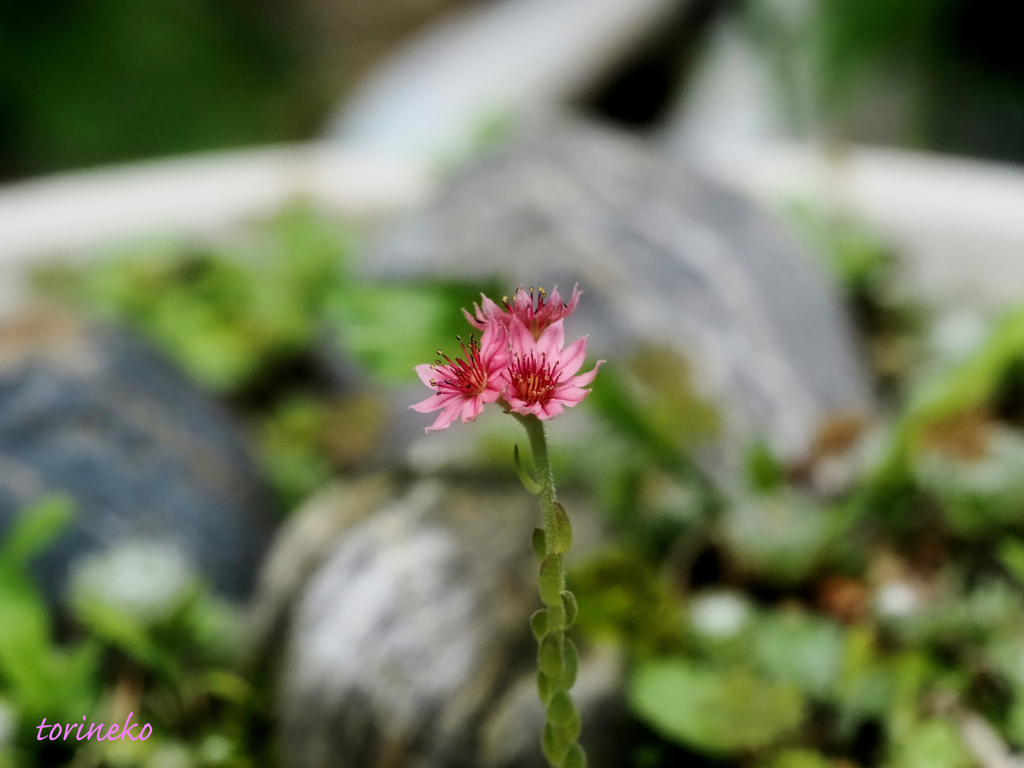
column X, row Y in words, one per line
column 536, row 318
column 540, row 378
column 466, row 385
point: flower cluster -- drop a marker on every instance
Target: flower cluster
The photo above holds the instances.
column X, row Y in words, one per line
column 521, row 362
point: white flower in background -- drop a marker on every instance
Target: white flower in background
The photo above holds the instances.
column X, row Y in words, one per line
column 215, row 749
column 143, row 578
column 719, row 615
column 957, row 334
column 172, row 755
column 897, row 599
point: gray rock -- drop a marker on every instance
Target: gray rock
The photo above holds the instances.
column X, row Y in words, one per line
column 152, row 464
column 408, row 640
column 666, row 259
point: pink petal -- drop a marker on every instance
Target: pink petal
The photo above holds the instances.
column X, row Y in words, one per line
column 478, row 321
column 522, row 304
column 520, row 338
column 552, row 340
column 426, row 373
column 572, row 357
column 491, row 310
column 573, row 300
column 472, row 408
column 554, row 300
column 495, row 389
column 433, row 402
column 447, row 416
column 520, row 406
column 493, row 344
column 571, row 395
column 584, row 379
column 549, row 410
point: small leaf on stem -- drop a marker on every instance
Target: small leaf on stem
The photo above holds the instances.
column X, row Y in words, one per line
column 539, row 624
column 561, row 710
column 571, row 608
column 554, row 744
column 545, row 687
column 574, row 757
column 549, row 656
column 563, row 531
column 540, row 548
column 529, row 483
column 571, row 665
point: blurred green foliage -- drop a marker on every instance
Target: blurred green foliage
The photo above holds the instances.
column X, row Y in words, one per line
column 942, row 75
column 41, row 678
column 713, row 712
column 956, row 60
column 270, row 320
column 775, row 620
column 176, row 670
column 226, row 313
column 86, row 82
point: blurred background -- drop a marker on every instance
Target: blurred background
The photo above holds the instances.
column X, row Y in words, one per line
column 229, row 230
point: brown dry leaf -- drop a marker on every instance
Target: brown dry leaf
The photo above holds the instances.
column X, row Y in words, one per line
column 352, row 428
column 843, row 599
column 964, row 436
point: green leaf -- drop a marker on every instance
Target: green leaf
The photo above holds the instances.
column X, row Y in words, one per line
column 545, row 687
column 539, row 623
column 932, row 744
column 571, row 609
column 571, row 727
column 798, row 758
column 563, row 531
column 1011, row 554
column 529, row 483
column 764, row 471
column 575, row 757
column 550, row 657
column 124, row 631
column 540, row 548
column 35, row 528
column 43, row 679
column 551, row 580
column 388, row 327
column 572, row 664
column 554, row 744
column 561, row 710
column 781, row 536
column 713, row 712
column 800, row 650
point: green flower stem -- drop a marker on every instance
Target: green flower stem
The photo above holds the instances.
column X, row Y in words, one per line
column 557, row 658
column 541, row 468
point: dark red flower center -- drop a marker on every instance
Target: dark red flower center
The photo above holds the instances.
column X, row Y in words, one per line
column 534, row 379
column 462, row 377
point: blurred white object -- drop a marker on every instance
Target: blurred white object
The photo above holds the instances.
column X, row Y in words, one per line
column 719, row 615
column 498, row 61
column 956, row 224
column 896, row 599
column 985, row 743
column 730, row 100
column 957, row 334
column 147, row 580
column 73, row 212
